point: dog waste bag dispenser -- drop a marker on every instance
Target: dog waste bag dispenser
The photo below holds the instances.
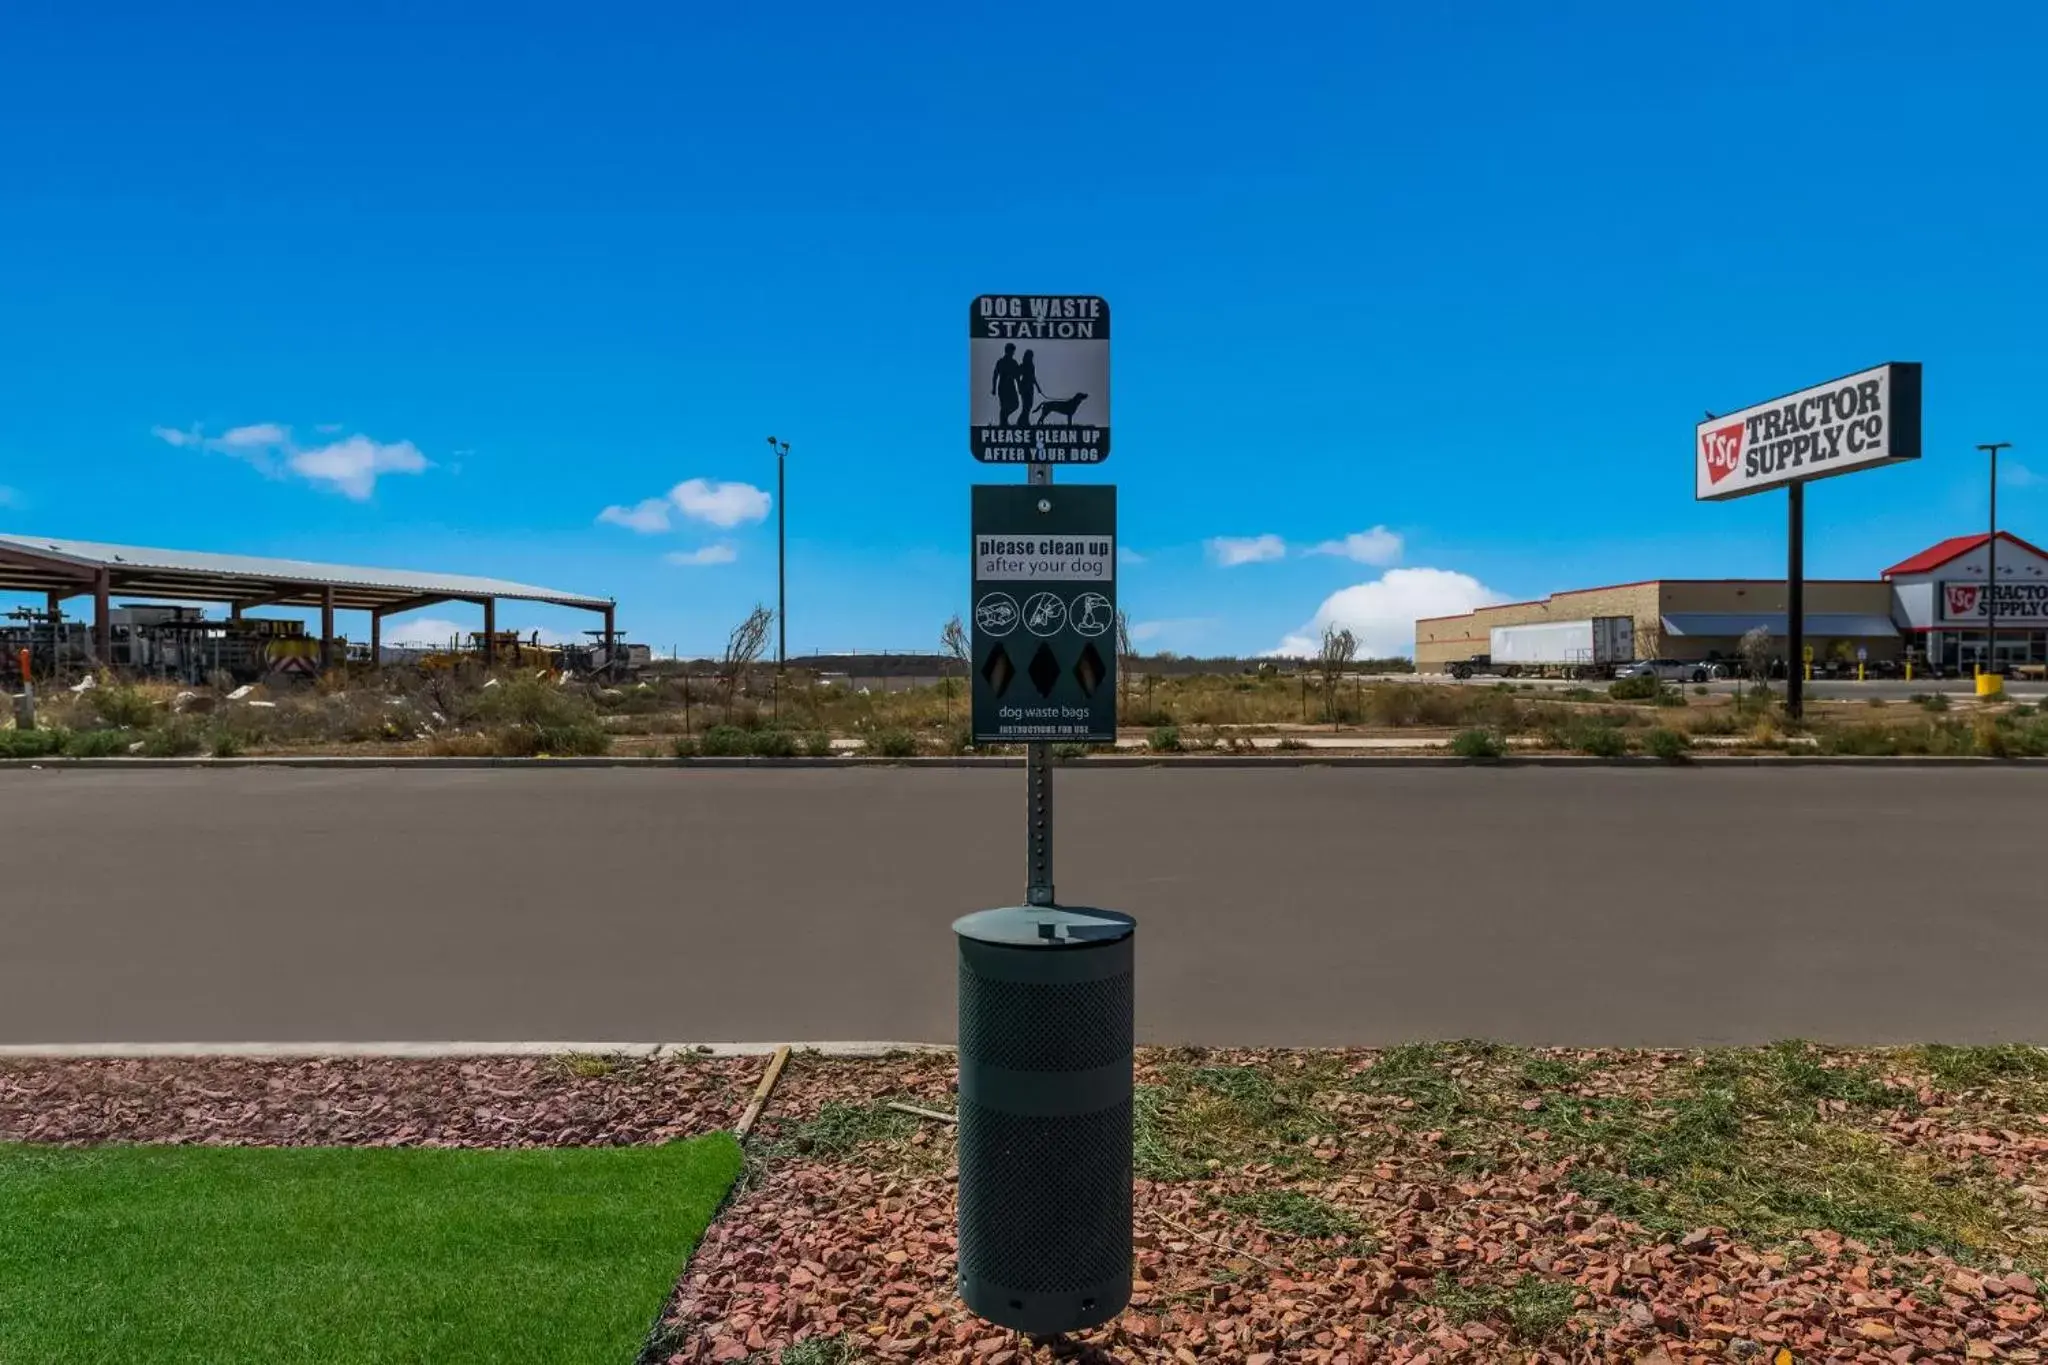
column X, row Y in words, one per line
column 1045, row 1115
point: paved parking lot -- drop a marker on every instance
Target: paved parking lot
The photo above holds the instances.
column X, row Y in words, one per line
column 1286, row 905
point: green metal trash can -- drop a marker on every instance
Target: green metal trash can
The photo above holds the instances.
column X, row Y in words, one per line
column 1045, row 1115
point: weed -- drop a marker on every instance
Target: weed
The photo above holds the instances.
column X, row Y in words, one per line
column 97, row 743
column 1602, row 741
column 839, row 1350
column 177, row 737
column 1578, row 694
column 684, row 747
column 1875, row 703
column 774, row 744
column 1421, row 1073
column 1551, row 1073
column 1293, row 1213
column 1669, row 745
column 31, row 743
column 1291, row 745
column 587, row 1066
column 890, row 744
column 1931, row 701
column 818, row 744
column 1069, row 753
column 1153, row 1155
column 1702, row 690
column 1164, row 740
column 224, row 743
column 1535, row 1308
column 1476, row 743
column 725, row 741
column 121, row 707
column 839, row 1129
column 1866, row 740
column 1635, row 689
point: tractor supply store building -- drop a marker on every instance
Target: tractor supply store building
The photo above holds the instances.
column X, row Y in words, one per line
column 1931, row 604
column 62, row 570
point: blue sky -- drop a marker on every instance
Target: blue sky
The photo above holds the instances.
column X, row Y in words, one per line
column 435, row 285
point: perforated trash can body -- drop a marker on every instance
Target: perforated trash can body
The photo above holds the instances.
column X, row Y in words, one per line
column 1045, row 1116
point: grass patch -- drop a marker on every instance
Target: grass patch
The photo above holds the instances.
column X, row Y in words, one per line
column 821, row 1351
column 1970, row 1068
column 1744, row 1147
column 31, row 743
column 1164, row 740
column 840, row 1129
column 1294, row 1214
column 1198, row 1119
column 346, row 1256
column 1534, row 1309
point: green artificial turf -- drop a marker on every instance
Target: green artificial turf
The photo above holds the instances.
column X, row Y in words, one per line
column 346, row 1256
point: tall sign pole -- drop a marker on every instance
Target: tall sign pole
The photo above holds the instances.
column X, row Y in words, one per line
column 1860, row 421
column 1992, row 448
column 1045, row 1006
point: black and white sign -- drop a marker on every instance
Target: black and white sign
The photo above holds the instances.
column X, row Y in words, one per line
column 1038, row 379
column 2018, row 603
column 1044, row 586
column 1855, row 422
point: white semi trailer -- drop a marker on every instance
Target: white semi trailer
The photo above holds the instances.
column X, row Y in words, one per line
column 1590, row 647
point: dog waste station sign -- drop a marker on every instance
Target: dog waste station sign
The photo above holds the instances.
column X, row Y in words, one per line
column 1046, row 1022
column 1044, row 632
column 1038, row 379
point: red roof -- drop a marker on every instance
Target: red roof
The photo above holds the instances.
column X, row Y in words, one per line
column 1955, row 547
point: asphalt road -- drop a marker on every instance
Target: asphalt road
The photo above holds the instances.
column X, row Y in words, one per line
column 1283, row 906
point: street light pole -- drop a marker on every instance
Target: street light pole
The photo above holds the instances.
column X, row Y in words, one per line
column 781, row 449
column 1992, row 448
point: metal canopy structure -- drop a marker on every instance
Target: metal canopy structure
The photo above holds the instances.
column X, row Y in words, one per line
column 71, row 568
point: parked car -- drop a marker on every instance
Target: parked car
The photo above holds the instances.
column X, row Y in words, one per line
column 1665, row 670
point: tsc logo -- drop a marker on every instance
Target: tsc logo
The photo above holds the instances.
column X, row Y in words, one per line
column 1722, row 448
column 1962, row 598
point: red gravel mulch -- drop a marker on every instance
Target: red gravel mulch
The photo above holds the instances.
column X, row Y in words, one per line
column 374, row 1102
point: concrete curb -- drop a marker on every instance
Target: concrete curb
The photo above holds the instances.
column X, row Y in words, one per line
column 1110, row 761
column 283, row 1051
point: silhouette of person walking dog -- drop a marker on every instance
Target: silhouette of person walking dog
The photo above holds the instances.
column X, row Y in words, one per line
column 1014, row 383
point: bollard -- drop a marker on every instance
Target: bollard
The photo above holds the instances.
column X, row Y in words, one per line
column 1045, row 1014
column 25, row 708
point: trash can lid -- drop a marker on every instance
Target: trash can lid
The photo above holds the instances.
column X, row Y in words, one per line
column 1045, row 926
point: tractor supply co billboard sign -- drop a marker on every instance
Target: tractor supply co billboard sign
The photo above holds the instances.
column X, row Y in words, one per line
column 1855, row 422
column 1038, row 379
column 2018, row 603
column 1044, row 636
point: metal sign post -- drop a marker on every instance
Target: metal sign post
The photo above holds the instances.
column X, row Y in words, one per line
column 1045, row 1005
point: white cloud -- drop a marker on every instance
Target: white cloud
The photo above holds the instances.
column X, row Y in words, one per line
column 1231, row 551
column 1126, row 555
column 1377, row 546
column 260, row 436
column 724, row 505
column 2013, row 474
column 1145, row 632
column 353, row 464
column 720, row 553
column 350, row 466
column 424, row 632
column 1383, row 613
column 648, row 516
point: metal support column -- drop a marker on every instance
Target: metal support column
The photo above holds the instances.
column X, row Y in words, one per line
column 103, row 618
column 490, row 631
column 1795, row 599
column 1038, row 791
column 1991, row 570
column 326, row 629
column 376, row 638
column 611, row 641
